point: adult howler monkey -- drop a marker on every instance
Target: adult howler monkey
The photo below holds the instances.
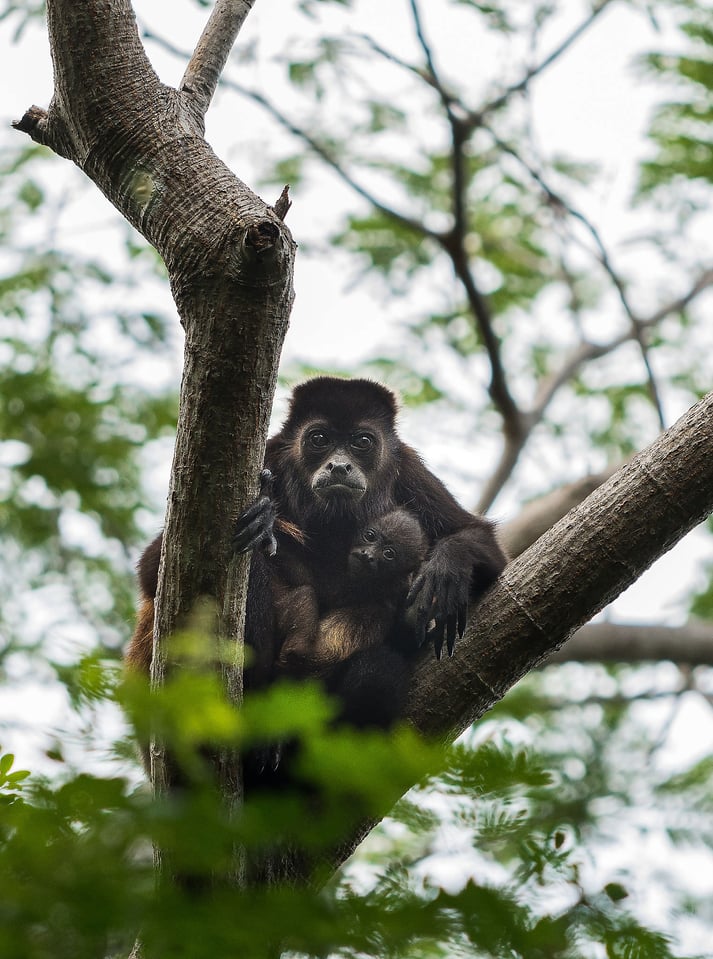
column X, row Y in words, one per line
column 370, row 610
column 337, row 463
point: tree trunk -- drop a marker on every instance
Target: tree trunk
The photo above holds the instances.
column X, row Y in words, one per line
column 230, row 263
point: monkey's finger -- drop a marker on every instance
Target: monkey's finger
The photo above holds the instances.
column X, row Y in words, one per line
column 415, row 590
column 268, row 544
column 262, row 506
column 462, row 619
column 438, row 640
column 251, row 535
column 267, row 480
column 254, row 526
column 451, row 634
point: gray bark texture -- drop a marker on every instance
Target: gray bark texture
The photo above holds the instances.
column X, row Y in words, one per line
column 570, row 573
column 230, row 263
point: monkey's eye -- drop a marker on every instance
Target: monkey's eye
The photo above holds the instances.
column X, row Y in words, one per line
column 318, row 439
column 362, row 441
column 389, row 554
column 369, row 535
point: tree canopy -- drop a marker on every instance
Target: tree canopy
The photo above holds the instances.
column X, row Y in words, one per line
column 541, row 307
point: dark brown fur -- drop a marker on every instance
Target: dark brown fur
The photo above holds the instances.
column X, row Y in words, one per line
column 323, row 436
column 379, row 571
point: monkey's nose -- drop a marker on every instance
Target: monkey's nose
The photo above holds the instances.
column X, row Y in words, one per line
column 339, row 469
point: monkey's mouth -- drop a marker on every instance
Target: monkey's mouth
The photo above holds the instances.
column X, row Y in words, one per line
column 361, row 565
column 329, row 488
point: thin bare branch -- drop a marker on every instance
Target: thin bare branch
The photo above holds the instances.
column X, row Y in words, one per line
column 211, row 53
column 502, row 99
column 318, row 149
column 515, row 442
column 704, row 282
column 498, row 388
column 637, row 330
column 446, row 98
column 455, row 242
column 509, row 456
column 393, row 58
column 581, row 354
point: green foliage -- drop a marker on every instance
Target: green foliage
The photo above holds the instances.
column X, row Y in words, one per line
column 77, row 877
column 681, row 128
column 521, row 808
column 74, row 429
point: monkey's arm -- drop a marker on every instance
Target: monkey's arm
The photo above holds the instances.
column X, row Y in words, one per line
column 465, row 557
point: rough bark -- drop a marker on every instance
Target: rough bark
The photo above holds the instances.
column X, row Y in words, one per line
column 539, row 515
column 579, row 566
column 689, row 644
column 230, row 261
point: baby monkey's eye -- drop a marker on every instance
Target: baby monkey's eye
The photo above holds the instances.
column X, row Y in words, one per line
column 389, row 553
column 369, row 535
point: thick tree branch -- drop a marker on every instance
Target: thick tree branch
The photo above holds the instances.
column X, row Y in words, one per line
column 572, row 572
column 313, row 143
column 580, row 565
column 229, row 259
column 212, row 51
column 687, row 645
column 542, row 513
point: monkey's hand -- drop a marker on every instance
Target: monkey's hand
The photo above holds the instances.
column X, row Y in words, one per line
column 255, row 527
column 439, row 594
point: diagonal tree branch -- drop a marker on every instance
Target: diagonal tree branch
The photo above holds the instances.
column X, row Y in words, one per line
column 477, row 116
column 211, row 53
column 573, row 571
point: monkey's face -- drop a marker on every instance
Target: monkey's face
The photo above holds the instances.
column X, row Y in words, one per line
column 372, row 556
column 390, row 547
column 339, row 463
